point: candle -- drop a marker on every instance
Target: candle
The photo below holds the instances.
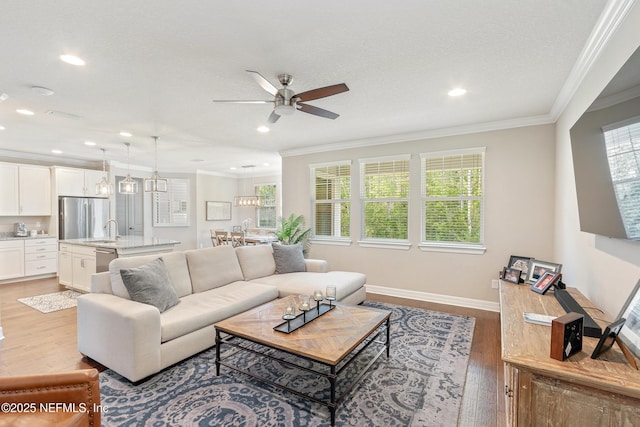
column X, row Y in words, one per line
column 289, row 310
column 305, row 306
column 317, row 295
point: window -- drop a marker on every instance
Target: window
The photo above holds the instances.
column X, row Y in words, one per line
column 452, row 197
column 384, row 194
column 171, row 209
column 266, row 212
column 622, row 142
column 331, row 194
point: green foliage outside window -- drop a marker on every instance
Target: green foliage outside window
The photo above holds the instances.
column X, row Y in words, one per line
column 267, row 210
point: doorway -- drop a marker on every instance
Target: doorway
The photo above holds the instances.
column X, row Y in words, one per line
column 129, row 211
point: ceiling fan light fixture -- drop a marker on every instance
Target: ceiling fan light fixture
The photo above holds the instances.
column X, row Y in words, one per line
column 284, row 109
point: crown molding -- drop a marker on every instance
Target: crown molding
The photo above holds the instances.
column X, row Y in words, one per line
column 427, row 134
column 609, row 22
column 46, row 160
column 615, row 99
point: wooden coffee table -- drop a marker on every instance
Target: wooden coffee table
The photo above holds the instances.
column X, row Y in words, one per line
column 333, row 340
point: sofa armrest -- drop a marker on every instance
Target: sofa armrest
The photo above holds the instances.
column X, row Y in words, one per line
column 101, row 283
column 121, row 334
column 316, row 265
column 78, row 390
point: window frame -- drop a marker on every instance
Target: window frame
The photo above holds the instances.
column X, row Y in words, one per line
column 447, row 246
column 378, row 242
column 256, row 190
column 333, row 239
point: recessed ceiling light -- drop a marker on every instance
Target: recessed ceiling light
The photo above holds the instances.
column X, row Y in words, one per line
column 25, row 112
column 44, row 91
column 457, row 91
column 125, row 134
column 233, row 168
column 263, row 129
column 2, row 127
column 89, row 143
column 73, row 60
column 265, row 164
column 56, row 151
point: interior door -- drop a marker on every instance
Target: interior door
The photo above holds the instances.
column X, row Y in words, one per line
column 129, row 211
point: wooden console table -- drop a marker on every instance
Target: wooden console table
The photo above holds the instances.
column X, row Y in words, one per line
column 541, row 391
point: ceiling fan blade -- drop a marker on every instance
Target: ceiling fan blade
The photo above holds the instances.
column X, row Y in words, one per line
column 317, row 111
column 273, row 117
column 264, row 83
column 322, row 92
column 241, row 102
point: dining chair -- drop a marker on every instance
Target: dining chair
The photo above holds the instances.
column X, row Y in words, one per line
column 214, row 238
column 221, row 237
column 237, row 238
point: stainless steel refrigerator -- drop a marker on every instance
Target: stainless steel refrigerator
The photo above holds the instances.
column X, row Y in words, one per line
column 83, row 218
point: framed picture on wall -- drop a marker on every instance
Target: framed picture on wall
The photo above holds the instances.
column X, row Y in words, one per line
column 218, row 211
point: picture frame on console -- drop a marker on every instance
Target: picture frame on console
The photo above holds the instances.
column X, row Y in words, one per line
column 630, row 332
column 537, row 268
column 545, row 282
column 511, row 275
column 520, row 263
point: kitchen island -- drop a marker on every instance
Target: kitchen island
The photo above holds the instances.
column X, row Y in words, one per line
column 80, row 258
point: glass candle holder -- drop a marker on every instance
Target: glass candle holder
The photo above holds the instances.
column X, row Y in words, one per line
column 305, row 304
column 289, row 312
column 317, row 295
column 331, row 293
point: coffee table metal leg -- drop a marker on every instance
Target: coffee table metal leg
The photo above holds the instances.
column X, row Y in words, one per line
column 218, row 343
column 332, row 405
column 388, row 343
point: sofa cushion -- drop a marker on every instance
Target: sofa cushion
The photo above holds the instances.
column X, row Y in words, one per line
column 203, row 309
column 174, row 262
column 150, row 284
column 213, row 267
column 346, row 282
column 256, row 261
column 288, row 258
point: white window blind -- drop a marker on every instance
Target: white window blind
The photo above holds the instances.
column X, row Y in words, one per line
column 171, row 209
column 266, row 212
column 452, row 196
column 384, row 195
column 623, row 153
column 331, row 194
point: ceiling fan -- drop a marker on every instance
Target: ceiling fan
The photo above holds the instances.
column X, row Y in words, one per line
column 286, row 101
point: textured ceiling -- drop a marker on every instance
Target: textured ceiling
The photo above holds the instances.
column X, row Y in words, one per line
column 154, row 67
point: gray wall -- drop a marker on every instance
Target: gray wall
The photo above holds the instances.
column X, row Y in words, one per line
column 519, row 195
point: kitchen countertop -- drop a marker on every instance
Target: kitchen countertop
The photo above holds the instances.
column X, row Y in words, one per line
column 10, row 236
column 122, row 243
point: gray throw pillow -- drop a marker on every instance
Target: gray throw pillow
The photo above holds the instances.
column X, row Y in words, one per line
column 288, row 258
column 150, row 284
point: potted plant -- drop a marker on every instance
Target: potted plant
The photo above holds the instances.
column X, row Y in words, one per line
column 292, row 230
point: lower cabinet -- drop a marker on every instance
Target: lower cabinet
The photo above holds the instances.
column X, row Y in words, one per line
column 11, row 259
column 76, row 265
column 40, row 256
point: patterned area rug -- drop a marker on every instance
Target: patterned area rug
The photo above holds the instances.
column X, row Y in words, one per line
column 421, row 384
column 52, row 302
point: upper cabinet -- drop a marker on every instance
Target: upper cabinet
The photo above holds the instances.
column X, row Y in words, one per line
column 25, row 190
column 77, row 182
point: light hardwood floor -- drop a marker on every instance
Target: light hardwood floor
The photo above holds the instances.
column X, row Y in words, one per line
column 41, row 343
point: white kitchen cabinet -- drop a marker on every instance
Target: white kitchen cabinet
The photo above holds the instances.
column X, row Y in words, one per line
column 25, row 190
column 35, row 190
column 77, row 182
column 11, row 259
column 40, row 256
column 77, row 264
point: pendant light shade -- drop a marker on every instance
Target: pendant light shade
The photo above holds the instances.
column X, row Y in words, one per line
column 104, row 187
column 128, row 185
column 155, row 184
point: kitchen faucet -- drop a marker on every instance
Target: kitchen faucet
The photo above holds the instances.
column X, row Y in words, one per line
column 109, row 232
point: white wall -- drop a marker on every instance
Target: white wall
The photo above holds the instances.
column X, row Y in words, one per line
column 604, row 269
column 215, row 189
column 519, row 194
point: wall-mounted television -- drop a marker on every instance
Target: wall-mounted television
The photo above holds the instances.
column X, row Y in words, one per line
column 605, row 144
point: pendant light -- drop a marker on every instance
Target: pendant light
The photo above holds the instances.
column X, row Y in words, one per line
column 104, row 187
column 128, row 185
column 247, row 201
column 155, row 184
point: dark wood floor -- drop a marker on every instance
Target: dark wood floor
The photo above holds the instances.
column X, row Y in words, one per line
column 43, row 343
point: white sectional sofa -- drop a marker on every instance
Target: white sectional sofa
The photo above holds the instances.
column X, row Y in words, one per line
column 136, row 340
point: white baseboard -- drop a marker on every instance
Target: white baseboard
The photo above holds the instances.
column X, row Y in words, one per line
column 436, row 298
